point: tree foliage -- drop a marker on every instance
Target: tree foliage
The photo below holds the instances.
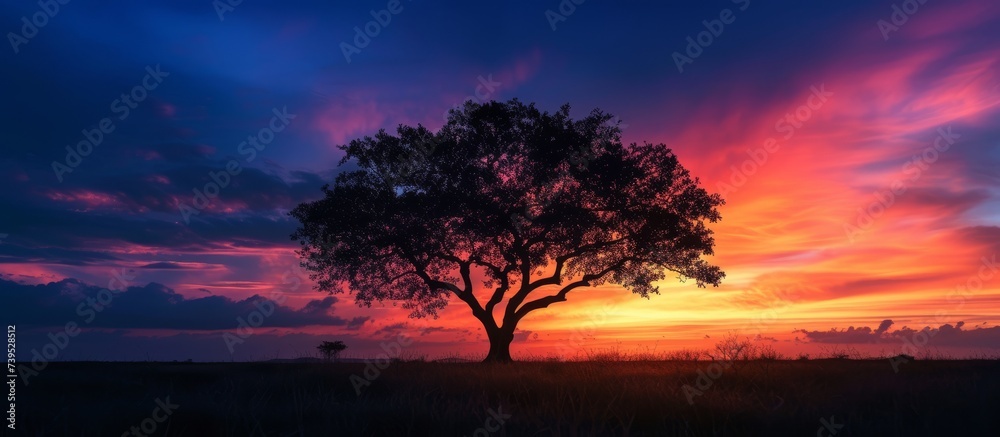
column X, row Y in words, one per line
column 331, row 349
column 534, row 203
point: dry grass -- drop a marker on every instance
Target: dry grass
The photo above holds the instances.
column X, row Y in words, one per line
column 758, row 397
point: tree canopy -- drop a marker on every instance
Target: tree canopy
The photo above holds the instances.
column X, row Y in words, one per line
column 330, row 349
column 506, row 204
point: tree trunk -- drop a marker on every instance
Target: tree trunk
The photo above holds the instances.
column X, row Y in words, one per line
column 500, row 340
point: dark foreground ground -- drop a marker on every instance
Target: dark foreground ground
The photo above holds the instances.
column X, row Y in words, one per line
column 776, row 398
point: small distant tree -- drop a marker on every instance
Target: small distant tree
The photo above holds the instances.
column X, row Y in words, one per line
column 331, row 349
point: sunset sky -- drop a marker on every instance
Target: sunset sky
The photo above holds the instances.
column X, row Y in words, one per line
column 860, row 163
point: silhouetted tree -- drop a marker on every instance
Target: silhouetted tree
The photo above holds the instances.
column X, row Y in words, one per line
column 505, row 204
column 331, row 349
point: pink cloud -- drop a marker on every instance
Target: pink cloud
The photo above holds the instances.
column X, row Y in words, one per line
column 363, row 111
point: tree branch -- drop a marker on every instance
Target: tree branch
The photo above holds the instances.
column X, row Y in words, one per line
column 556, row 277
column 394, row 278
column 561, row 295
column 501, row 275
column 465, row 295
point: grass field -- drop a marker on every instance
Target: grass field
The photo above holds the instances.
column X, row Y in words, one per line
column 772, row 398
